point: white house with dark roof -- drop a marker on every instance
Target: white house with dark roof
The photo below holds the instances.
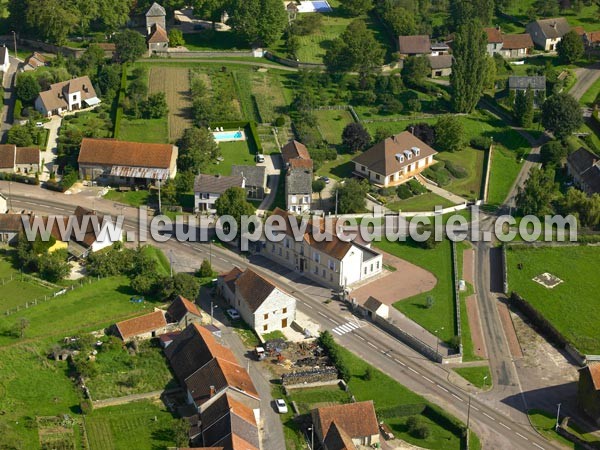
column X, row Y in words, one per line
column 330, row 261
column 394, row 160
column 263, row 305
column 70, row 95
column 298, row 185
column 584, row 166
column 208, row 188
column 547, row 33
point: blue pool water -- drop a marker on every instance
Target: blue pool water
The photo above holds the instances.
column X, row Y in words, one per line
column 321, row 6
column 228, row 135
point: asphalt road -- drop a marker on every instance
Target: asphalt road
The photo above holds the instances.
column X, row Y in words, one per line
column 497, row 428
column 586, row 76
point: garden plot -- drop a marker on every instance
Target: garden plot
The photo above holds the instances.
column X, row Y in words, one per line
column 175, row 83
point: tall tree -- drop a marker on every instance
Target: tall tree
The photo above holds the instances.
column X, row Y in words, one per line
column 400, row 20
column 210, row 9
column 570, row 48
column 356, row 49
column 197, row 148
column 351, row 196
column 356, row 8
column 355, row 137
column 28, row 87
column 523, row 109
column 561, row 115
column 545, row 8
column 415, row 70
column 463, row 11
column 129, row 46
column 233, row 203
column 536, row 196
column 258, row 21
column 553, row 153
column 469, row 68
column 449, row 133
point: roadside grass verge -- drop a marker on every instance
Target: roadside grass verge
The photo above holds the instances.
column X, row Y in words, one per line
column 475, row 376
column 163, row 266
column 571, row 306
column 545, row 423
column 131, row 198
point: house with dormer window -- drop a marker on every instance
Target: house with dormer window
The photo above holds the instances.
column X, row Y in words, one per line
column 394, row 160
column 66, row 96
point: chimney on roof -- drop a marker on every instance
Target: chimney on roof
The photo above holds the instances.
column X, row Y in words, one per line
column 212, row 391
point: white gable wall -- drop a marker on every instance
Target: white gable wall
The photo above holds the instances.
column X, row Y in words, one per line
column 276, row 308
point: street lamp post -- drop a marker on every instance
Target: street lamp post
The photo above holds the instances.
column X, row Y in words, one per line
column 469, row 414
column 557, row 418
column 312, row 437
column 484, row 380
column 212, row 307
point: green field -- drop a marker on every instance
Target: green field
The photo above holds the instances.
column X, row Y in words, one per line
column 439, row 262
column 475, row 376
column 571, row 306
column 339, row 168
column 587, row 17
column 132, row 198
column 472, row 160
column 235, row 152
column 545, row 423
column 141, row 425
column 80, row 309
column 331, row 123
column 209, row 40
column 423, row 202
column 503, row 173
column 163, row 266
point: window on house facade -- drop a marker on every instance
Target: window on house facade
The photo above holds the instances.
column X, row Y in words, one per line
column 287, row 255
column 330, row 277
column 316, row 257
column 284, row 311
column 265, row 327
column 377, row 177
column 365, row 270
column 371, row 267
column 287, row 243
column 280, row 251
column 324, row 273
column 331, row 264
column 378, row 265
column 363, row 168
column 316, row 270
column 266, row 316
column 272, row 248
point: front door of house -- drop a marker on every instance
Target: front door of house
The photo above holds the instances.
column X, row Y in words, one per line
column 301, row 264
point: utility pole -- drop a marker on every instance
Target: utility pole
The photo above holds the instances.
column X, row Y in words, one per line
column 469, row 414
column 336, row 200
column 171, row 261
column 557, row 418
column 10, row 207
column 15, row 42
column 211, row 312
column 159, row 203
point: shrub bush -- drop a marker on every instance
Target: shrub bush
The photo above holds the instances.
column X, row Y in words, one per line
column 455, row 170
column 416, row 187
column 481, row 142
column 387, row 191
column 404, row 192
column 280, row 121
column 440, row 175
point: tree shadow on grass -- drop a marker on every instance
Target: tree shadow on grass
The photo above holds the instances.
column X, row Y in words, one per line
column 343, row 170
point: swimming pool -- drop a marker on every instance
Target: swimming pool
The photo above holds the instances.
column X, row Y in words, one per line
column 314, row 6
column 224, row 136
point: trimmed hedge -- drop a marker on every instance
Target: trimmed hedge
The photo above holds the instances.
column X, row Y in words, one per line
column 120, row 97
column 411, row 409
column 19, row 178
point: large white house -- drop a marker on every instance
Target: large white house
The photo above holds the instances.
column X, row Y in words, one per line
column 263, row 305
column 394, row 160
column 331, row 262
column 70, row 95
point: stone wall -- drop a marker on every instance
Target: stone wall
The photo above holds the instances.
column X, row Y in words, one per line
column 310, row 376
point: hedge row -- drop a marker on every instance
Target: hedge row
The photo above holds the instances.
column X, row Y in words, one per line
column 19, row 178
column 120, row 98
column 410, row 409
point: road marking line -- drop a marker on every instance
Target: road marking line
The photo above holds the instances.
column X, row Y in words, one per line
column 345, row 328
column 371, row 344
column 521, row 436
column 336, row 332
column 400, row 362
column 489, row 417
column 475, row 408
column 222, row 259
column 308, row 306
column 538, row 446
column 505, row 426
column 321, row 314
column 457, row 397
column 361, row 338
column 428, row 379
column 442, row 388
column 332, row 320
column 352, row 325
column 413, row 370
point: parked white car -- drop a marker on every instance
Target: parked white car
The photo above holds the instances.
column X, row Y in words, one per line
column 281, row 406
column 233, row 314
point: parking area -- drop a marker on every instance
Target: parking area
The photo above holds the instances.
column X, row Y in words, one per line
column 406, row 281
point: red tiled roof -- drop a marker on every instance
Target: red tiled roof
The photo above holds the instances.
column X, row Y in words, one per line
column 142, row 324
column 158, row 35
column 253, row 288
column 356, row 419
column 27, row 155
column 298, row 163
column 294, row 149
column 180, row 307
column 493, row 35
column 111, row 152
column 595, row 375
column 7, row 156
column 414, row 45
column 517, row 41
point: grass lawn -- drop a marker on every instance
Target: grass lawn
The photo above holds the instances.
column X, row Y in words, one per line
column 331, row 123
column 91, row 307
column 163, row 266
column 423, row 202
column 571, row 306
column 141, row 425
column 246, row 334
column 20, row 289
column 587, row 17
column 472, row 160
column 398, row 126
column 589, row 97
column 308, row 399
column 98, row 123
column 545, row 423
column 475, row 375
column 439, row 262
column 144, row 130
column 339, row 168
column 236, row 152
column 121, row 373
column 132, row 198
column 273, row 335
column 504, row 170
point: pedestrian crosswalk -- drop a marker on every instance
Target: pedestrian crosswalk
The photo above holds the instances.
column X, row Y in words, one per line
column 345, row 328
